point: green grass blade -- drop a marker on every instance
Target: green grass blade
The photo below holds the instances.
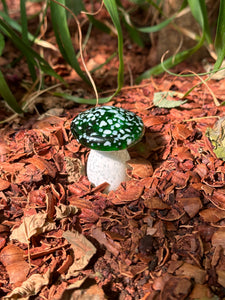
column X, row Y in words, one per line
column 17, row 27
column 5, row 7
column 63, row 38
column 98, row 24
column 220, row 36
column 23, row 15
column 2, row 43
column 157, row 27
column 27, row 51
column 134, row 34
column 78, row 6
column 170, row 62
column 75, row 6
column 199, row 11
column 7, row 95
column 112, row 9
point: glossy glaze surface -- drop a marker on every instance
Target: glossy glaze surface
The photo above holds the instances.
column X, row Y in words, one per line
column 107, row 128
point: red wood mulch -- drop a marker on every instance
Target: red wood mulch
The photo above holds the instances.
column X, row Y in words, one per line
column 161, row 235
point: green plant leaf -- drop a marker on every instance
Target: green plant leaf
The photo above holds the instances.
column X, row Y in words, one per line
column 112, row 9
column 15, row 25
column 220, row 36
column 157, row 27
column 23, row 15
column 5, row 7
column 7, row 95
column 2, row 43
column 161, row 99
column 134, row 34
column 63, row 37
column 76, row 6
column 170, row 62
column 199, row 11
column 27, row 51
column 98, row 24
column 217, row 137
column 138, row 2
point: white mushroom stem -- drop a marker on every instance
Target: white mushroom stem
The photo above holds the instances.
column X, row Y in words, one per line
column 107, row 166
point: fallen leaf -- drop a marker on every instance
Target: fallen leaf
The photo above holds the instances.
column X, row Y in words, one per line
column 63, row 211
column 83, row 293
column 221, row 277
column 218, row 238
column 74, row 169
column 192, row 271
column 164, row 99
column 83, row 251
column 31, row 286
column 12, row 257
column 201, row 291
column 217, row 137
column 32, row 225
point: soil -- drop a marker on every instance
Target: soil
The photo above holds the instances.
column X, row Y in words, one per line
column 160, row 235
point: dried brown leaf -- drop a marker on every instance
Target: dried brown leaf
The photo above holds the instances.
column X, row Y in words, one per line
column 32, row 225
column 74, row 169
column 201, row 291
column 192, row 271
column 221, row 277
column 12, row 257
column 83, row 251
column 218, row 198
column 82, row 293
column 218, row 238
column 30, row 287
column 63, row 211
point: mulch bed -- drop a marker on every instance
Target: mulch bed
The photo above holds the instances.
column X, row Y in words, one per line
column 160, row 235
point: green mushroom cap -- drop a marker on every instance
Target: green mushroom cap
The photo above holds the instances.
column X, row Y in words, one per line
column 107, row 128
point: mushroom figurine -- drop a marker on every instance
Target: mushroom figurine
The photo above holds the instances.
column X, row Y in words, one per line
column 108, row 131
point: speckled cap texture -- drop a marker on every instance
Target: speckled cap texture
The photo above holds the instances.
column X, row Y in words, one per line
column 107, row 128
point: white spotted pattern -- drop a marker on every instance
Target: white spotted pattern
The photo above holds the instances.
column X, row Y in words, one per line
column 107, row 128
